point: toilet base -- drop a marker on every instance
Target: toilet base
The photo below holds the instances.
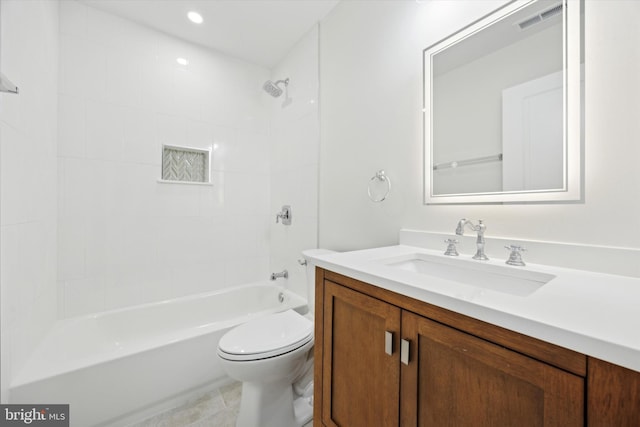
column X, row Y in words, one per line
column 303, row 409
column 272, row 405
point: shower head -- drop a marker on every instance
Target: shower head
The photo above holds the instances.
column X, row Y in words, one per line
column 273, row 89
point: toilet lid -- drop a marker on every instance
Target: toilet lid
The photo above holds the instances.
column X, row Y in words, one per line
column 267, row 336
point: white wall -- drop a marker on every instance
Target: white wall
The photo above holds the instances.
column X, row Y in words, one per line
column 371, row 74
column 124, row 238
column 29, row 47
column 295, row 136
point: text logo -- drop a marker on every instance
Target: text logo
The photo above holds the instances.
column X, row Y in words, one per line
column 34, row 415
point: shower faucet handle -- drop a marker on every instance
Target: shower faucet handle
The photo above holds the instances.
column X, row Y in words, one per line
column 285, row 215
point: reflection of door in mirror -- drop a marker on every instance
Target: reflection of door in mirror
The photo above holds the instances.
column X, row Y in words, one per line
column 532, row 138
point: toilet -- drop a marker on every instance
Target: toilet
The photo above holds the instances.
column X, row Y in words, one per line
column 268, row 355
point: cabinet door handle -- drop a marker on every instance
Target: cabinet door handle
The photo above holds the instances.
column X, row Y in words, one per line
column 404, row 351
column 388, row 342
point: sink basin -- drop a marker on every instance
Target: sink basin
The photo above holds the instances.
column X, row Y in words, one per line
column 508, row 280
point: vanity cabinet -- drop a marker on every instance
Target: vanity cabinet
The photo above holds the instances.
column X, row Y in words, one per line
column 383, row 359
column 457, row 379
column 361, row 382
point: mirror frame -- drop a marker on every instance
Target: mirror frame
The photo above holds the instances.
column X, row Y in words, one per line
column 572, row 190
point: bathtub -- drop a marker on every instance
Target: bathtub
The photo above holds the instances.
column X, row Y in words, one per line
column 118, row 366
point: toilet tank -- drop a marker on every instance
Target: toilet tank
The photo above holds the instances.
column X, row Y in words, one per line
column 311, row 274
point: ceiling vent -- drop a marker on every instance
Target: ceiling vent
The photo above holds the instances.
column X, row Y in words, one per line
column 540, row 17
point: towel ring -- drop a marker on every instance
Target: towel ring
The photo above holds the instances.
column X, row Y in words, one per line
column 379, row 176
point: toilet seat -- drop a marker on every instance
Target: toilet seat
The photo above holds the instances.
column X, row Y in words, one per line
column 267, row 336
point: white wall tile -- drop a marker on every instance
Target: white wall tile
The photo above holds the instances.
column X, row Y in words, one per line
column 132, row 246
column 247, row 193
column 73, row 18
column 71, row 248
column 199, row 134
column 122, row 82
column 84, row 296
column 139, row 137
column 27, row 169
column 171, row 129
column 212, row 197
column 28, row 282
column 247, row 269
column 17, row 173
column 137, row 288
column 224, row 149
column 310, row 180
column 139, row 236
column 185, row 240
column 28, row 135
column 304, row 142
column 134, row 186
column 105, row 123
column 18, row 258
column 187, row 99
column 250, row 235
column 176, row 200
column 294, row 159
column 103, row 28
column 197, row 278
column 222, row 236
column 72, row 131
column 75, row 188
column 83, row 68
column 251, row 153
column 99, row 238
column 157, row 85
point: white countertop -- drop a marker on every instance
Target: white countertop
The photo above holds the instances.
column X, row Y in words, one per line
column 592, row 313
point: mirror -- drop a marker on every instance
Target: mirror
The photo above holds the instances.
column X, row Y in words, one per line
column 503, row 107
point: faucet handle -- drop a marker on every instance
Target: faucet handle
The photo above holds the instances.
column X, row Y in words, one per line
column 515, row 257
column 451, row 247
column 285, row 215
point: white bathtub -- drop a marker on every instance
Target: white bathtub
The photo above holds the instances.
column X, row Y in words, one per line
column 116, row 366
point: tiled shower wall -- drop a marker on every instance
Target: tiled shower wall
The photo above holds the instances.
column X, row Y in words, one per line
column 294, row 159
column 124, row 238
column 28, row 180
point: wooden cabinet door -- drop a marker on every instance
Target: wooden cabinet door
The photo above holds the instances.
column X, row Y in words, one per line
column 457, row 379
column 361, row 382
column 614, row 395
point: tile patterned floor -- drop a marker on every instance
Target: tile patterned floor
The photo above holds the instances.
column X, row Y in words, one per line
column 218, row 408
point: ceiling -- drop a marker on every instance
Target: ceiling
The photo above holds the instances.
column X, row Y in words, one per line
column 258, row 31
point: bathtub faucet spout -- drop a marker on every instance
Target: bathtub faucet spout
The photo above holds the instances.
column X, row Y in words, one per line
column 283, row 273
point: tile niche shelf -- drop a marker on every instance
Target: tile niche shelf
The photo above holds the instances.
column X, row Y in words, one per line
column 185, row 165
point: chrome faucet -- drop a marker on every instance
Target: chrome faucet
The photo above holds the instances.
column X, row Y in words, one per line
column 480, row 228
column 283, row 273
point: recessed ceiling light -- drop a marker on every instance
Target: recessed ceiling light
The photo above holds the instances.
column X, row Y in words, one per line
column 195, row 17
column 182, row 61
